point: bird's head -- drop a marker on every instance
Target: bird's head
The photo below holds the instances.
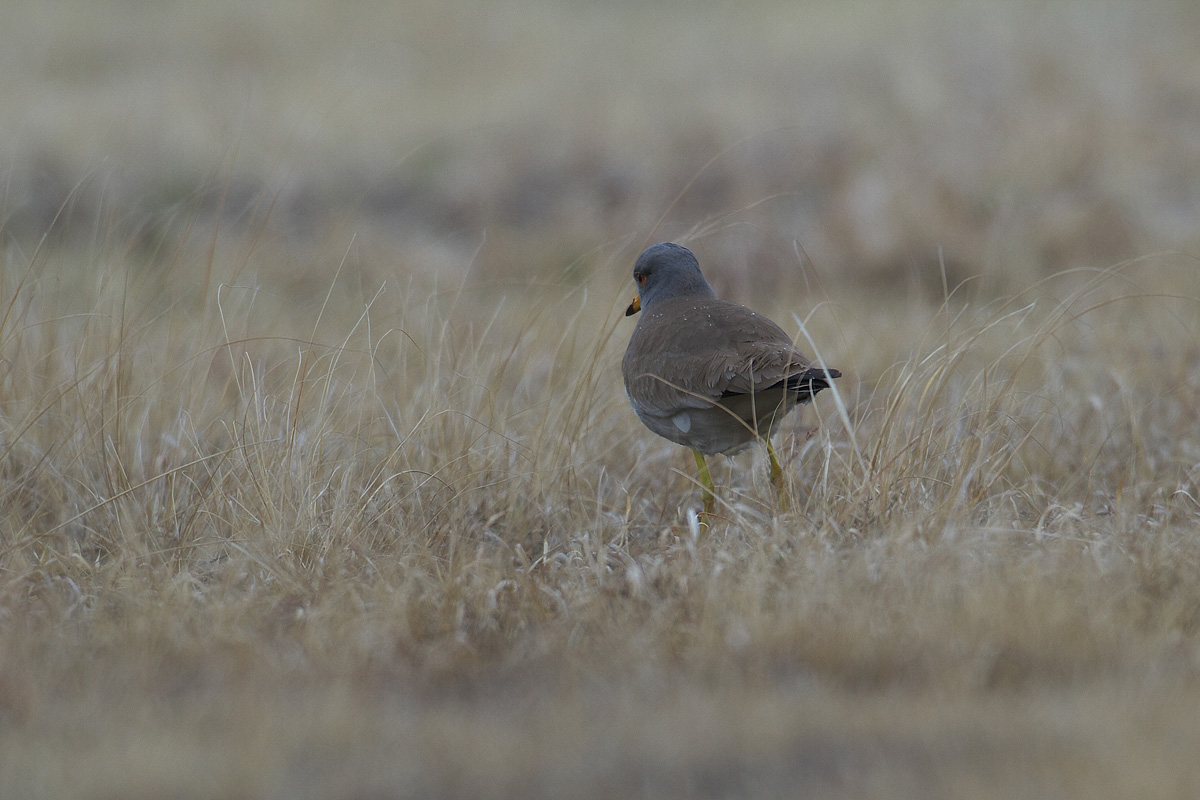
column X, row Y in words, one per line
column 666, row 270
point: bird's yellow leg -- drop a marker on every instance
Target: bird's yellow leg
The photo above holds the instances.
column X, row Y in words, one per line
column 710, row 491
column 777, row 475
column 776, row 470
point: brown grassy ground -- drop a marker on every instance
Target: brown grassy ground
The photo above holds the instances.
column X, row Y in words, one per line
column 318, row 480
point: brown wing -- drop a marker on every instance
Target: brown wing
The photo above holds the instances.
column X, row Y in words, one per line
column 691, row 352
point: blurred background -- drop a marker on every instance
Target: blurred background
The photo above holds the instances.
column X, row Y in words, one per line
column 868, row 142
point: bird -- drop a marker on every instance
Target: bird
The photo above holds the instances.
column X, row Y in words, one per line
column 706, row 373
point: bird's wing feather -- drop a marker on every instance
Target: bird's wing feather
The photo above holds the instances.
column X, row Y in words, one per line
column 744, row 352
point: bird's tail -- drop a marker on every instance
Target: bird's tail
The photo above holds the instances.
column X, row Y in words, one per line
column 808, row 383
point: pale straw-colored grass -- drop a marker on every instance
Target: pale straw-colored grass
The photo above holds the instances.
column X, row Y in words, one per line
column 378, row 537
column 317, row 478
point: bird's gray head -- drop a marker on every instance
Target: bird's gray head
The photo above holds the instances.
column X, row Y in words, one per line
column 664, row 271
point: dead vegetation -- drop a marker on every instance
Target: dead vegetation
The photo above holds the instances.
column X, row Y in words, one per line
column 319, row 489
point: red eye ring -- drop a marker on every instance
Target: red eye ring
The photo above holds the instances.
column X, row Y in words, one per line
column 641, row 279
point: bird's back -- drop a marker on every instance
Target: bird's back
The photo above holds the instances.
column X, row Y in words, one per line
column 710, row 374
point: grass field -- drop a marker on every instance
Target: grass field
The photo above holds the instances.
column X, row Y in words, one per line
column 317, row 476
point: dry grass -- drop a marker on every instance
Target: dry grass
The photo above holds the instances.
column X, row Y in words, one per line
column 311, row 489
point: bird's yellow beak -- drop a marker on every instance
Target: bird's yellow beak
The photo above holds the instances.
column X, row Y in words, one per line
column 634, row 307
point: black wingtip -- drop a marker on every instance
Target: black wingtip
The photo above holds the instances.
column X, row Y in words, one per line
column 811, row 381
column 804, row 384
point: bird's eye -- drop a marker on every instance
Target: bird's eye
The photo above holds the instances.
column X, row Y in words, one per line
column 641, row 279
